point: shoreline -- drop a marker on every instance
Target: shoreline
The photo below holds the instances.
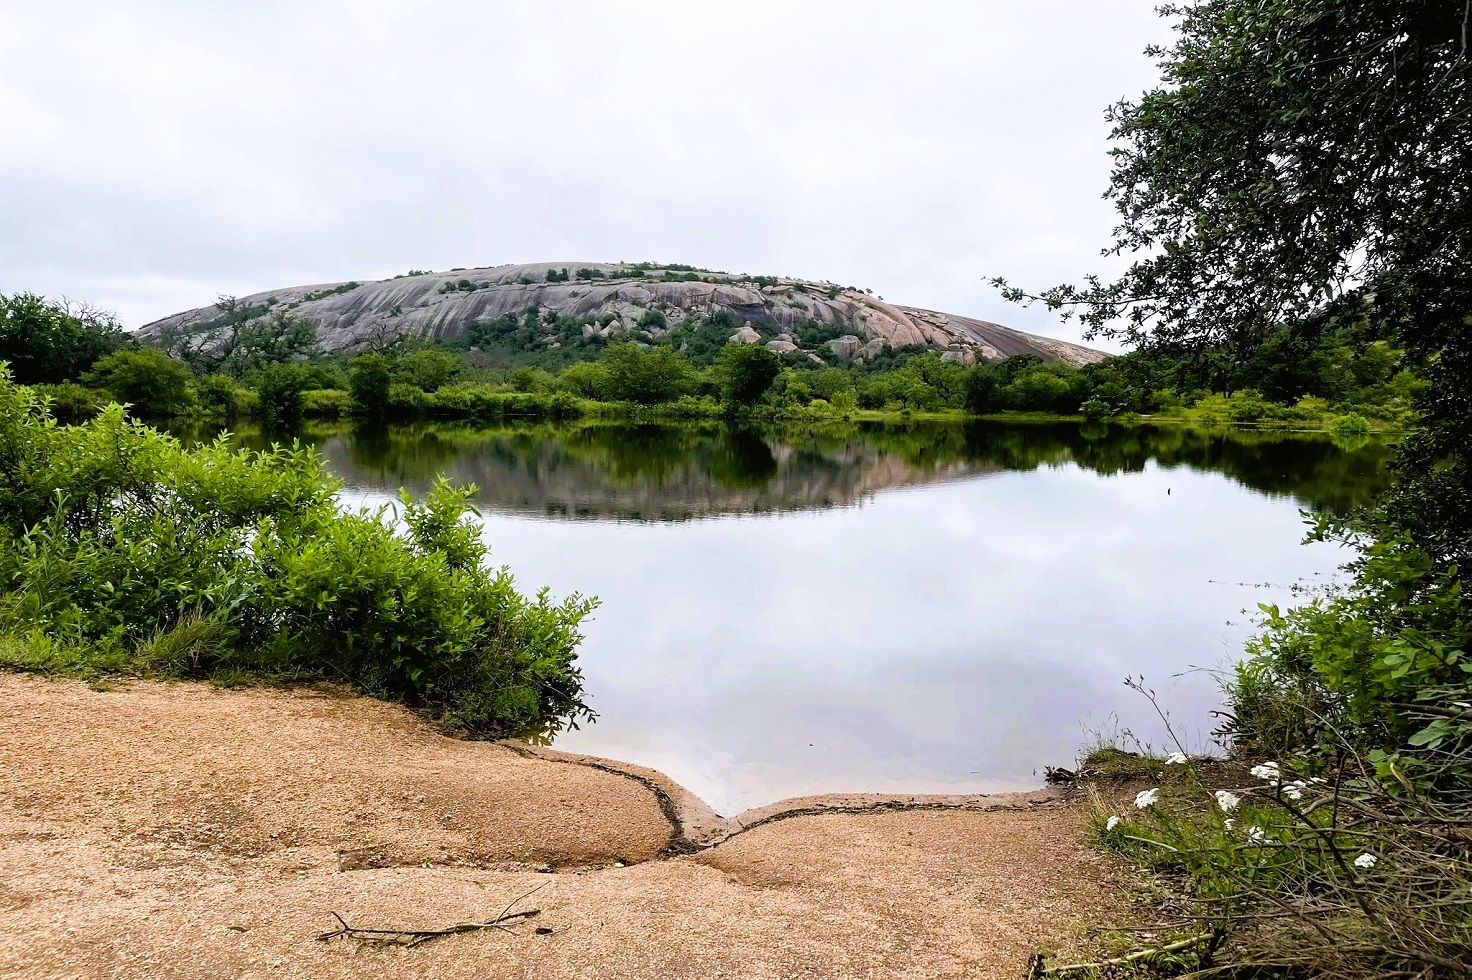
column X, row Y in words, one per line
column 180, row 830
column 697, row 826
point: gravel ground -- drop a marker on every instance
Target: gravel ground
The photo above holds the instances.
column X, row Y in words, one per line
column 185, row 831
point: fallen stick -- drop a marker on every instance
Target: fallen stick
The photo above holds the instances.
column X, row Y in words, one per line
column 1212, row 937
column 413, row 937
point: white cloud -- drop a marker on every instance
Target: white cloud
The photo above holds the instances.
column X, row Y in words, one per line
column 913, row 149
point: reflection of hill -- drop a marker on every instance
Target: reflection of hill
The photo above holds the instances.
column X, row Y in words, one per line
column 661, row 474
column 671, row 473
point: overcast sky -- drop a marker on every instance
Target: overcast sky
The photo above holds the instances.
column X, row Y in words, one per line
column 155, row 154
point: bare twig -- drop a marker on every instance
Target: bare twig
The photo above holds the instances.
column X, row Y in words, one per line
column 413, row 937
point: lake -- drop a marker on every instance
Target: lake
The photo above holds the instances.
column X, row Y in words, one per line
column 919, row 608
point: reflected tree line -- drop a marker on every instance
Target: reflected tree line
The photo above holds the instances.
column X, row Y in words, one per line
column 675, row 472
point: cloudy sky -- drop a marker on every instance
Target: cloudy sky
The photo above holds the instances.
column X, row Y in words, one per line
column 155, row 153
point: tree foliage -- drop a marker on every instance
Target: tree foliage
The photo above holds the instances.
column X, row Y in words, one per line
column 129, row 552
column 153, row 383
column 746, row 371
column 53, row 343
column 241, row 338
column 1304, row 159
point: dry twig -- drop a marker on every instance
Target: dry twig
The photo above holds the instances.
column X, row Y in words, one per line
column 413, row 937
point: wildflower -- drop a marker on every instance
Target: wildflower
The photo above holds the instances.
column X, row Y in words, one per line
column 1113, row 822
column 1291, row 792
column 1256, row 835
column 1227, row 823
column 1228, row 801
column 1267, row 772
column 1318, row 780
column 1365, row 861
column 1145, row 798
column 1175, row 759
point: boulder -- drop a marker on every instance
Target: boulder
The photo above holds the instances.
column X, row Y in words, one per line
column 746, row 335
column 964, row 357
column 874, row 348
column 844, row 347
column 781, row 346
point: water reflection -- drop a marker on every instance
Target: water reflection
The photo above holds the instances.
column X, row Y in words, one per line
column 673, row 473
column 955, row 633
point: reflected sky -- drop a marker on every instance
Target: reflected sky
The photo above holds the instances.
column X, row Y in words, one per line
column 948, row 637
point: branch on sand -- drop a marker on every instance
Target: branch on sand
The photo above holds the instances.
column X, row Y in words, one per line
column 1037, row 969
column 413, row 937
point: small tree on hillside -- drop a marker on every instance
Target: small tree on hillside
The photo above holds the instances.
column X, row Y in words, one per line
column 746, row 371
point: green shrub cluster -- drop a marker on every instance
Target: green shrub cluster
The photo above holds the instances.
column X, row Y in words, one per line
column 131, row 553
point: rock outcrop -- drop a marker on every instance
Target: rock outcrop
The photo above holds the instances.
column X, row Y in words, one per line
column 616, row 299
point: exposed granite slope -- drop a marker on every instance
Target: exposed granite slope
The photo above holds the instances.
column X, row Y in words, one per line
column 355, row 316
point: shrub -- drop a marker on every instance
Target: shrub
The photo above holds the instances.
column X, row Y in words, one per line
column 369, row 380
column 1352, row 424
column 73, row 403
column 219, row 396
column 647, row 377
column 279, row 397
column 153, row 383
column 326, row 403
column 137, row 555
column 746, row 371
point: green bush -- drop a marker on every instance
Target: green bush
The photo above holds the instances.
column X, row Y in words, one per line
column 279, row 402
column 131, row 553
column 1352, row 424
column 326, row 403
column 219, row 396
column 746, row 371
column 369, row 379
column 73, row 403
column 153, row 383
column 647, row 377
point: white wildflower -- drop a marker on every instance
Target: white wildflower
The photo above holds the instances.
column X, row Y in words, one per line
column 1365, row 861
column 1291, row 792
column 1267, row 772
column 1256, row 835
column 1176, row 759
column 1228, row 801
column 1147, row 797
column 1318, row 780
column 1113, row 822
column 1227, row 823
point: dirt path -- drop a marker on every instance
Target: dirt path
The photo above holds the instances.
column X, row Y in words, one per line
column 185, row 831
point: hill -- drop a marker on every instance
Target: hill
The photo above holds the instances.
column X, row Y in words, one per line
column 578, row 304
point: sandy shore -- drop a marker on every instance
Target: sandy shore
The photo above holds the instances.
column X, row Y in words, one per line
column 186, row 831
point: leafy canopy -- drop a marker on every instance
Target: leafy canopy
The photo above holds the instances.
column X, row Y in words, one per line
column 52, row 343
column 1303, row 159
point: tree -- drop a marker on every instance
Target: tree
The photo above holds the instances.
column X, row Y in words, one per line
column 241, row 338
column 369, row 381
column 429, row 369
column 647, row 377
column 1301, row 159
column 279, row 394
column 153, row 383
column 746, row 371
column 52, row 343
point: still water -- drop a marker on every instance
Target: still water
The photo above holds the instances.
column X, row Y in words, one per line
column 918, row 609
